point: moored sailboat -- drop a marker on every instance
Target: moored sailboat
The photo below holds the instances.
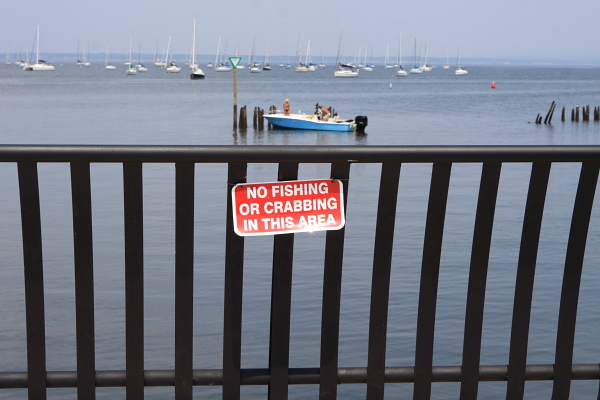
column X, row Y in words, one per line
column 197, row 73
column 131, row 69
column 40, row 65
column 460, row 71
column 400, row 71
column 107, row 64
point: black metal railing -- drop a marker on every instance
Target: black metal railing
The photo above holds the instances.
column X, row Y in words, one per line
column 328, row 374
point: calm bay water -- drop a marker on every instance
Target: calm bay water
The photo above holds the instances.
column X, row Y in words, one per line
column 92, row 106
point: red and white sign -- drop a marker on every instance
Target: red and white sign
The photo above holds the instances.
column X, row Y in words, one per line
column 288, row 206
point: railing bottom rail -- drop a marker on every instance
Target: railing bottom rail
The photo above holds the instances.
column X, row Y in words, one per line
column 298, row 376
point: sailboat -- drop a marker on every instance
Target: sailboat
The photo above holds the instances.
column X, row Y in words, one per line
column 197, row 73
column 426, row 68
column 460, row 71
column 343, row 70
column 140, row 67
column 266, row 66
column 447, row 65
column 401, row 71
column 107, row 64
column 157, row 62
column 254, row 65
column 311, row 67
column 321, row 65
column 131, row 69
column 240, row 66
column 220, row 64
column 85, row 62
column 172, row 67
column 300, row 67
column 387, row 58
column 7, row 61
column 416, row 69
column 367, row 67
column 40, row 65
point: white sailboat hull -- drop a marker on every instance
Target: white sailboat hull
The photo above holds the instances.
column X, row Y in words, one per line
column 42, row 67
column 345, row 74
column 460, row 72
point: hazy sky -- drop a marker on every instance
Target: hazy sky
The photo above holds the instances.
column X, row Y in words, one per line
column 484, row 28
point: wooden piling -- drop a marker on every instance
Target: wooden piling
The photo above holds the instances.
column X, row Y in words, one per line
column 572, row 115
column 255, row 118
column 243, row 124
column 548, row 113
column 552, row 108
column 577, row 113
column 537, row 119
column 562, row 116
column 261, row 121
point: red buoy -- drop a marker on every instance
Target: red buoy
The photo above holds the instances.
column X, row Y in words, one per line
column 493, row 85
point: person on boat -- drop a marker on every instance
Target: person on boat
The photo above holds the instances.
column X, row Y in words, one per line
column 322, row 112
column 286, row 107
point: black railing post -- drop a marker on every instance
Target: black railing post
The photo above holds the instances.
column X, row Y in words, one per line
column 332, row 291
column 530, row 237
column 281, row 301
column 380, row 286
column 134, row 278
column 184, row 279
column 569, row 298
column 84, row 279
column 480, row 255
column 234, row 279
column 34, row 280
column 430, row 271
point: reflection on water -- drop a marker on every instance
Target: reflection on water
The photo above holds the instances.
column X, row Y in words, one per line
column 296, row 137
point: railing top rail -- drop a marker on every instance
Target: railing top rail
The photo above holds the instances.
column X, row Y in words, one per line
column 315, row 154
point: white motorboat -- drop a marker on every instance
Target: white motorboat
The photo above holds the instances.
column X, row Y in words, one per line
column 314, row 122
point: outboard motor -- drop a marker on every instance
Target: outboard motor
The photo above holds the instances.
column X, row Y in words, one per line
column 361, row 123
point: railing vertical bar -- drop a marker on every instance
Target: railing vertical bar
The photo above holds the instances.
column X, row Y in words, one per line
column 281, row 300
column 480, row 254
column 84, row 279
column 134, row 279
column 567, row 316
column 380, row 286
column 34, row 279
column 184, row 279
column 234, row 278
column 332, row 288
column 430, row 270
column 530, row 237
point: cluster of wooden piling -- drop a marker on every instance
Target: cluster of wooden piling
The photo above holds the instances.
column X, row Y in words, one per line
column 257, row 119
column 575, row 113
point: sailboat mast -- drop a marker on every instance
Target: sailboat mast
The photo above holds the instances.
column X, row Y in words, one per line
column 37, row 46
column 194, row 45
column 218, row 50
